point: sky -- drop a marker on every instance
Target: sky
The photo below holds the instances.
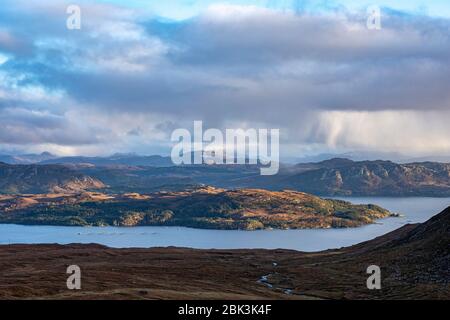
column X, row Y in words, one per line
column 137, row 70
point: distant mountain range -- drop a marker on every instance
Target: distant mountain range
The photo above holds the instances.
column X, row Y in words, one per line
column 335, row 177
column 367, row 156
column 164, row 161
column 127, row 159
column 26, row 158
column 114, row 160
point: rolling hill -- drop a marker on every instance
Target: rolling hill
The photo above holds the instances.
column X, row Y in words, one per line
column 206, row 207
column 20, row 179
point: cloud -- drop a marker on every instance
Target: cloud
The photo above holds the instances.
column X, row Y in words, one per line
column 126, row 79
column 27, row 127
column 406, row 132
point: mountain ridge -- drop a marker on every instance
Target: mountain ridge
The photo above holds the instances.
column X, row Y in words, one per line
column 22, row 179
column 343, row 177
column 332, row 177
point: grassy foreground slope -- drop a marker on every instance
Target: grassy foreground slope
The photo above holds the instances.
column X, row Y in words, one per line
column 414, row 262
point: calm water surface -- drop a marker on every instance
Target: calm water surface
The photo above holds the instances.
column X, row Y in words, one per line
column 415, row 210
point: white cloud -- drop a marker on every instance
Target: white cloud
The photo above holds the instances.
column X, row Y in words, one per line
column 325, row 80
column 408, row 132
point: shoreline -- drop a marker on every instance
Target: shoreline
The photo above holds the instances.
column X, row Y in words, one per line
column 413, row 259
column 302, row 240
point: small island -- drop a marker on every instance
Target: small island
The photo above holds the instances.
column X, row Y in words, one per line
column 205, row 207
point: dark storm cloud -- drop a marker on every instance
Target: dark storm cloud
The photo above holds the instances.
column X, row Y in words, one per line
column 230, row 64
column 233, row 59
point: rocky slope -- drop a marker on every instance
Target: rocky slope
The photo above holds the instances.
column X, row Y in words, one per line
column 363, row 178
column 206, row 207
column 414, row 262
column 20, row 179
column 336, row 177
